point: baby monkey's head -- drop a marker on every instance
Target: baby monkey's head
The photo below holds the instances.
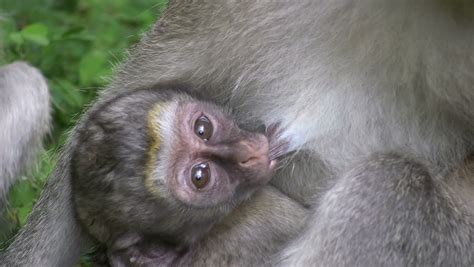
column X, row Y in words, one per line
column 160, row 162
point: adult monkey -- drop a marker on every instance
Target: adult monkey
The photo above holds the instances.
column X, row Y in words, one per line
column 376, row 97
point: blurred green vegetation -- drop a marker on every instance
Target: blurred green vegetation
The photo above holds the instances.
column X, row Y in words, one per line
column 75, row 43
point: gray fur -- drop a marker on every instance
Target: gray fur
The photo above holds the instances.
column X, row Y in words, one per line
column 389, row 211
column 350, row 81
column 250, row 235
column 24, row 120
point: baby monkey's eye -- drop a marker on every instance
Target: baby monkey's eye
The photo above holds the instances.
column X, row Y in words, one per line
column 200, row 175
column 203, row 128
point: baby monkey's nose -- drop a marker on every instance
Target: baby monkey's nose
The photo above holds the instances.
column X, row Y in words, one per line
column 253, row 151
column 249, row 151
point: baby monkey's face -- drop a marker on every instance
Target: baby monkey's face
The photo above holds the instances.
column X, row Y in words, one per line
column 208, row 160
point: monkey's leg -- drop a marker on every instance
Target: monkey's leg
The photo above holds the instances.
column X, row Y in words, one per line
column 24, row 119
column 390, row 211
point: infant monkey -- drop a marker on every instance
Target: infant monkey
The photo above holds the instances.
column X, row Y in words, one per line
column 161, row 165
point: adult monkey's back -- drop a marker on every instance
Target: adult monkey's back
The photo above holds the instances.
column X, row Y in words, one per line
column 376, row 97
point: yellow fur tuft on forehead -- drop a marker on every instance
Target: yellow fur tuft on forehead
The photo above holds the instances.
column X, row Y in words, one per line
column 154, row 126
column 155, row 132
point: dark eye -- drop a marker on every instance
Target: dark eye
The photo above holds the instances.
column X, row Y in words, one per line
column 203, row 128
column 200, row 175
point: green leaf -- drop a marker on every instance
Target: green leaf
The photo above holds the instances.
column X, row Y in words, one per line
column 15, row 38
column 93, row 67
column 24, row 211
column 21, row 194
column 36, row 33
column 78, row 34
column 147, row 17
column 66, row 95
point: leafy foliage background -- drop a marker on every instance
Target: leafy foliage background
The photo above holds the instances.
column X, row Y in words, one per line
column 76, row 44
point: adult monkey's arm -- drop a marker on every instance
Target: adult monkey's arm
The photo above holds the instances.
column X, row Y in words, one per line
column 52, row 236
